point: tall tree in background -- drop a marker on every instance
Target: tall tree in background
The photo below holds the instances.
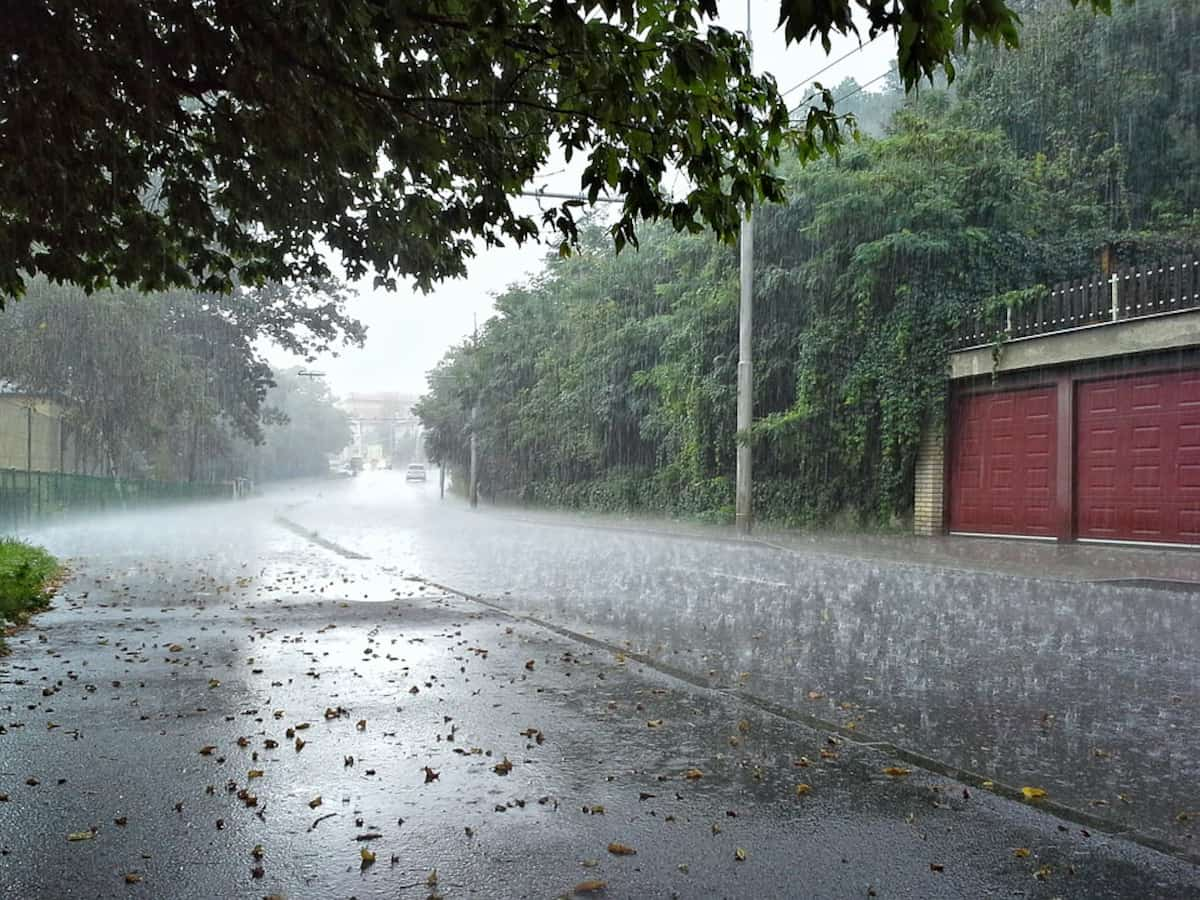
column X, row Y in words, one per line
column 158, row 384
column 1109, row 107
column 302, row 429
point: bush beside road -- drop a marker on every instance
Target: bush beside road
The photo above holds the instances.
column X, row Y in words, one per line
column 27, row 577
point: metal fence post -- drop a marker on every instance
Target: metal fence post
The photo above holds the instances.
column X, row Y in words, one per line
column 1116, row 305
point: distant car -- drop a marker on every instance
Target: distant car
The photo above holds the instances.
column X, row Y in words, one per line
column 415, row 472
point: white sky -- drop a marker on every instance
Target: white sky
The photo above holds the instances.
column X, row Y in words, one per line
column 408, row 332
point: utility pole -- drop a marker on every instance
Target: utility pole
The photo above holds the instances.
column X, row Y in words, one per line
column 743, row 500
column 473, row 491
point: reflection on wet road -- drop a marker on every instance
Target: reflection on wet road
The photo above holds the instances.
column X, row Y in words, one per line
column 1090, row 691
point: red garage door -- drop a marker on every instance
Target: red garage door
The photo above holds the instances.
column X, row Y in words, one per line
column 1138, row 458
column 1002, row 467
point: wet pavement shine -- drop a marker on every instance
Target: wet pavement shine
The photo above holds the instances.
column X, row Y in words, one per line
column 221, row 706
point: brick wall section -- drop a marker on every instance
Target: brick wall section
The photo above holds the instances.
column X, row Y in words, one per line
column 930, row 496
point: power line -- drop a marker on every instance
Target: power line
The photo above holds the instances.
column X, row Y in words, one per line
column 826, row 68
column 845, row 96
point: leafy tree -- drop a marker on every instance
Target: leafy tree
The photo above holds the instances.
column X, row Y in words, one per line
column 1106, row 106
column 161, row 384
column 303, row 428
column 153, row 143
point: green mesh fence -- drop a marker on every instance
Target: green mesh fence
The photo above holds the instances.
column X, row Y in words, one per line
column 27, row 497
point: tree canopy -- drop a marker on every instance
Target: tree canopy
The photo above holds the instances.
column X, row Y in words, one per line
column 152, row 143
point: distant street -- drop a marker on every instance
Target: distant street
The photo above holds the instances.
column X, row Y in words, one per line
column 223, row 703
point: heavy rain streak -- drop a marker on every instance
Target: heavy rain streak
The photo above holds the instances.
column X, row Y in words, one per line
column 507, row 448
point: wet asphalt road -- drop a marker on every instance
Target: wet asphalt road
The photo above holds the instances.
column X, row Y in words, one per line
column 180, row 633
column 1090, row 691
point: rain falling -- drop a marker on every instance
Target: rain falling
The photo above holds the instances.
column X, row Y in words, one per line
column 506, row 448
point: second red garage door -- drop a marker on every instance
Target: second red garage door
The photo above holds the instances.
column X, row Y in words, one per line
column 1137, row 458
column 1002, row 463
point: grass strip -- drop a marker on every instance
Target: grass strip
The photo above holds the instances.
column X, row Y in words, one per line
column 28, row 577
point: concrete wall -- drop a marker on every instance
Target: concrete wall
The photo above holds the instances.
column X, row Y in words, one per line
column 1125, row 338
column 930, row 501
column 41, row 433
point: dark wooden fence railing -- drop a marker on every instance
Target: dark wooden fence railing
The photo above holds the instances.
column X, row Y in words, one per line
column 1169, row 287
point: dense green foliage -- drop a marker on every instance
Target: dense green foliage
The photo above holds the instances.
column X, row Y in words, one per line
column 609, row 382
column 26, row 573
column 302, row 429
column 160, row 144
column 170, row 385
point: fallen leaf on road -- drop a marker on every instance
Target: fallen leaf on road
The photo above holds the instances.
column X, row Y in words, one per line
column 590, row 887
column 936, row 867
column 361, row 724
column 744, row 726
column 132, row 878
column 258, row 851
column 802, row 789
column 502, row 768
column 314, row 802
column 815, row 695
column 82, row 835
column 654, row 723
column 897, row 771
column 693, row 774
column 828, row 754
column 176, row 648
column 300, row 744
column 621, row 850
column 367, row 857
column 739, row 854
column 214, row 683
column 430, row 775
column 529, row 665
column 255, row 773
column 1033, row 793
column 1043, row 873
column 207, row 750
column 120, row 821
column 1021, row 852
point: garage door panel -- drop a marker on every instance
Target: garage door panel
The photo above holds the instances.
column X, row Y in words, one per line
column 1138, row 458
column 1002, row 463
